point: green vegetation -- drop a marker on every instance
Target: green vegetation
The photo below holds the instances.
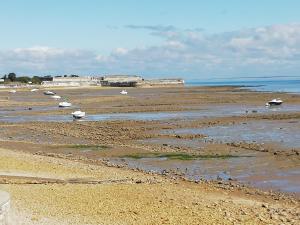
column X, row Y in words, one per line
column 179, row 156
column 23, row 79
column 86, row 147
column 12, row 77
column 36, row 80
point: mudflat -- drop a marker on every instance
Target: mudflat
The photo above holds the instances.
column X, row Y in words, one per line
column 155, row 156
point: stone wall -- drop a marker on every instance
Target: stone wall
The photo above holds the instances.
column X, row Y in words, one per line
column 74, row 79
column 163, row 82
column 69, row 84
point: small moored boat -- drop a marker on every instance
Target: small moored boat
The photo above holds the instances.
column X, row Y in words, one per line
column 64, row 104
column 34, row 90
column 123, row 92
column 49, row 93
column 56, row 97
column 78, row 114
column 275, row 101
column 12, row 91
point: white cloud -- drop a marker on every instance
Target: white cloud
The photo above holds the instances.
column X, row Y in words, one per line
column 44, row 60
column 268, row 50
column 120, row 51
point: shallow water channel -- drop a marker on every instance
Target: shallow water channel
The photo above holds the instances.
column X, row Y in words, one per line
column 207, row 112
column 276, row 174
column 283, row 133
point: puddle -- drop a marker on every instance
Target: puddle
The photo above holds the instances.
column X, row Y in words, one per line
column 279, row 175
column 285, row 133
column 174, row 142
column 8, row 110
column 209, row 112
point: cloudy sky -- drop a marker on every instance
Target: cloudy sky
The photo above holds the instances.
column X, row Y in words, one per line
column 192, row 39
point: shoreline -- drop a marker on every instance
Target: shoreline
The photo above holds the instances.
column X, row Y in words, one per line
column 267, row 204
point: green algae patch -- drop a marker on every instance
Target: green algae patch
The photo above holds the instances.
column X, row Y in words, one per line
column 86, row 147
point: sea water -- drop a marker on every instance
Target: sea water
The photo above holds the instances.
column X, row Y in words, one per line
column 284, row 85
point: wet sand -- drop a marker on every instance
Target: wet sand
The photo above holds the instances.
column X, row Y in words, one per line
column 148, row 190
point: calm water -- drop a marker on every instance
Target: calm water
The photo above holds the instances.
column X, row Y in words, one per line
column 291, row 86
column 209, row 112
column 283, row 133
column 279, row 175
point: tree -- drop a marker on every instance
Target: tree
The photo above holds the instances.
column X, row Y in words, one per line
column 12, row 77
column 23, row 79
column 36, row 80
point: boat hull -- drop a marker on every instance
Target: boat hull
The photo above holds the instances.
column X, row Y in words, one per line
column 64, row 105
column 78, row 115
column 49, row 93
column 275, row 103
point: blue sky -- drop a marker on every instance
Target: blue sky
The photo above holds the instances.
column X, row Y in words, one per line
column 192, row 38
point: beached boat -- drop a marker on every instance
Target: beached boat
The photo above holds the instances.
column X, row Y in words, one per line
column 78, row 114
column 12, row 91
column 56, row 97
column 123, row 92
column 64, row 104
column 275, row 101
column 49, row 93
column 34, row 90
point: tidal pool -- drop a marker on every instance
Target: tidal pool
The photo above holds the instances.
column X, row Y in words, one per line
column 20, row 109
column 285, row 133
column 263, row 172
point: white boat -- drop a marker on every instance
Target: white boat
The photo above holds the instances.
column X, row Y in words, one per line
column 34, row 90
column 56, row 97
column 49, row 93
column 123, row 92
column 64, row 104
column 78, row 114
column 12, row 91
column 275, row 101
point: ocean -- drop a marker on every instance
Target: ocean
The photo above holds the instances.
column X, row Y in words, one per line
column 289, row 86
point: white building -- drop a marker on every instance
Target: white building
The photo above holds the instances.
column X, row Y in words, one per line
column 72, row 81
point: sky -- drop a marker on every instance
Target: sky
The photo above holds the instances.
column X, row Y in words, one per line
column 192, row 39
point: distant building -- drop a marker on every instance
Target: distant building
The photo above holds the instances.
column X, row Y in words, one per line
column 72, row 81
column 108, row 80
column 121, row 80
column 46, row 78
